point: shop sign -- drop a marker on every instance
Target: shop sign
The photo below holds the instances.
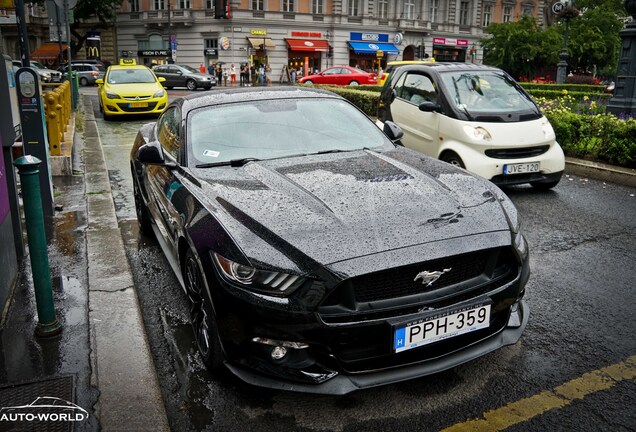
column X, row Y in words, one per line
column 224, row 42
column 152, row 53
column 303, row 34
column 448, row 41
column 258, row 32
column 397, row 39
column 369, row 37
column 210, row 52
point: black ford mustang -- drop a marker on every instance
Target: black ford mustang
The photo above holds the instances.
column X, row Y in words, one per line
column 317, row 254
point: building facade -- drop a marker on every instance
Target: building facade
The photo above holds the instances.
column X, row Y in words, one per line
column 310, row 34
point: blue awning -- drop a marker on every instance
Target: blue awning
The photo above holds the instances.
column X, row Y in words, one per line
column 373, row 47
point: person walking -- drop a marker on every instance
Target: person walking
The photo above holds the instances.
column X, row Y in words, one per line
column 232, row 75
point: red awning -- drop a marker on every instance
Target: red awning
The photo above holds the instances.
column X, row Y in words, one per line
column 48, row 51
column 308, row 44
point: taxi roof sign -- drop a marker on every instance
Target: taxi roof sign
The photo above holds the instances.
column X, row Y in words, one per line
column 127, row 62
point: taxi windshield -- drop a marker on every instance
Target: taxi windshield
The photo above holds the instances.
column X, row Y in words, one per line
column 130, row 76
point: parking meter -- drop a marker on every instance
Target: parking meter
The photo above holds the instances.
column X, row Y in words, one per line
column 34, row 138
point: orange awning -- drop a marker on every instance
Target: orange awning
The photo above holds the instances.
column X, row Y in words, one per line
column 308, row 44
column 48, row 51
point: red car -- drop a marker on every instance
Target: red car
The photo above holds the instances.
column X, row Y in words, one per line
column 341, row 75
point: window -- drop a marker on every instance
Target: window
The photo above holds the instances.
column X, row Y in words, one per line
column 383, row 8
column 409, row 9
column 257, row 5
column 464, row 13
column 434, row 10
column 527, row 10
column 212, row 43
column 487, row 17
column 134, row 5
column 168, row 132
column 317, row 6
column 287, row 6
column 185, row 4
column 354, row 7
column 158, row 5
column 507, row 13
column 209, row 4
column 416, row 88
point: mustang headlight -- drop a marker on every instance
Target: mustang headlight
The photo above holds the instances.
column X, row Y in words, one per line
column 159, row 94
column 477, row 133
column 274, row 283
column 110, row 95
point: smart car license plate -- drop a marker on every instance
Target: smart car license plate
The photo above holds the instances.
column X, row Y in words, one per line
column 522, row 168
column 439, row 327
column 138, row 105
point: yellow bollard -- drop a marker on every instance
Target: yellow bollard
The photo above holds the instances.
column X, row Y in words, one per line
column 53, row 130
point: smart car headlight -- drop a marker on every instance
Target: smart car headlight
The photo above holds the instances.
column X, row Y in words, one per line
column 477, row 133
column 270, row 282
column 159, row 94
column 110, row 95
column 548, row 132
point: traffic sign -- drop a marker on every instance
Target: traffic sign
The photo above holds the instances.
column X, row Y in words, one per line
column 558, row 7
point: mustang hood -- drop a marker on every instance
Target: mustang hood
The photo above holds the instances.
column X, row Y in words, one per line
column 335, row 207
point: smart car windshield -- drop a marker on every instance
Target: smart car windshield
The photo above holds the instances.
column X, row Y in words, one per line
column 486, row 91
column 272, row 129
column 130, row 76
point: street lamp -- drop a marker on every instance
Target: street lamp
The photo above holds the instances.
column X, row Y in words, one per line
column 564, row 9
column 624, row 100
column 170, row 59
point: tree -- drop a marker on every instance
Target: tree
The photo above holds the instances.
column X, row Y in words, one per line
column 100, row 12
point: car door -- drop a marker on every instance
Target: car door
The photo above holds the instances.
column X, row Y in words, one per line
column 163, row 181
column 176, row 76
column 328, row 76
column 421, row 129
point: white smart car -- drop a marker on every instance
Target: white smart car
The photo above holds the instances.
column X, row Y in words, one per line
column 476, row 117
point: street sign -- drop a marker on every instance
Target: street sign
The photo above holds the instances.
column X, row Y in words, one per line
column 380, row 54
column 558, row 7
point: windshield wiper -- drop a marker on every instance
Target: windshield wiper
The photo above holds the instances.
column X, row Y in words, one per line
column 459, row 101
column 232, row 163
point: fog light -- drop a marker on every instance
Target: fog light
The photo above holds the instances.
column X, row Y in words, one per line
column 278, row 352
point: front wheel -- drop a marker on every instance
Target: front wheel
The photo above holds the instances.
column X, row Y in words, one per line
column 191, row 85
column 201, row 316
column 308, row 82
column 453, row 159
column 354, row 83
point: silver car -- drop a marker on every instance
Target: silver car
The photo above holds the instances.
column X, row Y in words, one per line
column 46, row 75
column 86, row 73
column 184, row 76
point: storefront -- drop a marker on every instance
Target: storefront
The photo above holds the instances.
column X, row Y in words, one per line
column 369, row 49
column 153, row 57
column 305, row 51
column 259, row 44
column 450, row 50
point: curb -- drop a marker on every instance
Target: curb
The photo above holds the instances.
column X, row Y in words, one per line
column 600, row 171
column 123, row 369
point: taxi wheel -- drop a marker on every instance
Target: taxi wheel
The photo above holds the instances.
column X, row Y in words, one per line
column 191, row 85
column 453, row 159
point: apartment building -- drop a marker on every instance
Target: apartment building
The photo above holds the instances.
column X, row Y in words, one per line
column 310, row 34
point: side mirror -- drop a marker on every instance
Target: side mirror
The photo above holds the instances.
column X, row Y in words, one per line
column 393, row 131
column 152, row 153
column 429, row 106
column 161, row 79
column 99, row 81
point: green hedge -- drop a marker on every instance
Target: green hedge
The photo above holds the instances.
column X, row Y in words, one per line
column 575, row 88
column 553, row 94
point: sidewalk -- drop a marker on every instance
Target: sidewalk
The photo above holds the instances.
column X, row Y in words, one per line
column 101, row 361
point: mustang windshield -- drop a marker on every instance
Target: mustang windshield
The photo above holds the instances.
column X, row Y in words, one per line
column 279, row 128
column 474, row 92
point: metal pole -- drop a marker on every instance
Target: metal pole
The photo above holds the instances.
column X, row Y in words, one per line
column 170, row 60
column 115, row 33
column 60, row 56
column 22, row 33
column 28, row 168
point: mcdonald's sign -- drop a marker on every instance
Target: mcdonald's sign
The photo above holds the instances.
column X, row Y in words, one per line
column 93, row 45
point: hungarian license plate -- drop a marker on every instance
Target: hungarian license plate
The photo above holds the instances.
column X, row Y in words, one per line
column 442, row 326
column 138, row 105
column 522, row 168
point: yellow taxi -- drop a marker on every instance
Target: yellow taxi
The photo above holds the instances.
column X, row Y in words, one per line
column 129, row 88
column 392, row 65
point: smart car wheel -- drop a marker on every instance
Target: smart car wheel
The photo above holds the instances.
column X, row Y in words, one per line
column 191, row 85
column 203, row 323
column 83, row 82
column 453, row 159
column 354, row 83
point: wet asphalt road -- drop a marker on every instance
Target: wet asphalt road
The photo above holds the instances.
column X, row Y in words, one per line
column 581, row 296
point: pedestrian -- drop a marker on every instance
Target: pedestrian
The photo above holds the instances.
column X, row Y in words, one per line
column 225, row 76
column 201, row 68
column 268, row 75
column 261, row 75
column 219, row 74
column 243, row 75
column 292, row 73
column 232, row 74
column 211, row 69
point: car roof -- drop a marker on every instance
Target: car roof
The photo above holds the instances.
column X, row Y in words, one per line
column 128, row 67
column 448, row 66
column 238, row 94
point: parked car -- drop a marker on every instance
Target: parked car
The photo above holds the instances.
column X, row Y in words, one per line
column 341, row 75
column 130, row 89
column 476, row 117
column 87, row 73
column 319, row 256
column 46, row 75
column 184, row 76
